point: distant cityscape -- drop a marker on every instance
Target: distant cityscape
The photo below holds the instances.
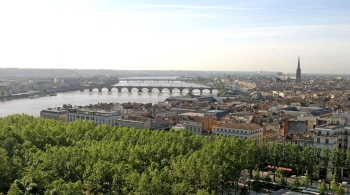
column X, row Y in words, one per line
column 299, row 109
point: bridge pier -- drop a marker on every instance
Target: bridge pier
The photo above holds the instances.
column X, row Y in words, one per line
column 149, row 90
column 90, row 89
column 119, row 90
column 81, row 90
column 109, row 89
column 139, row 89
column 210, row 90
column 129, row 89
column 99, row 89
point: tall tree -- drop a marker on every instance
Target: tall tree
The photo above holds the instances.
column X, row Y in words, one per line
column 306, row 179
column 334, row 183
column 323, row 188
column 14, row 190
column 325, row 159
column 281, row 178
column 310, row 159
column 275, row 155
column 337, row 159
column 347, row 161
column 295, row 185
column 340, row 190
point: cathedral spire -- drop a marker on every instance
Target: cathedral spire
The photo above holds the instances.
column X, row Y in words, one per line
column 298, row 75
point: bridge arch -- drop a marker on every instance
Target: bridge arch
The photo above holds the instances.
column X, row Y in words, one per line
column 162, row 88
column 206, row 90
column 101, row 89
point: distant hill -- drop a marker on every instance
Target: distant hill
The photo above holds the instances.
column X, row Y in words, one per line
column 22, row 72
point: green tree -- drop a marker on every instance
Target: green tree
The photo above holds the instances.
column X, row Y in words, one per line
column 275, row 155
column 310, row 159
column 256, row 175
column 5, row 170
column 267, row 179
column 292, row 155
column 61, row 187
column 251, row 154
column 306, row 179
column 295, row 185
column 340, row 190
column 323, row 188
column 14, row 190
column 202, row 192
column 337, row 159
column 325, row 159
column 334, row 182
column 281, row 178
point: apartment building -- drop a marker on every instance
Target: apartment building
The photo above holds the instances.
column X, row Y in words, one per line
column 241, row 130
column 328, row 135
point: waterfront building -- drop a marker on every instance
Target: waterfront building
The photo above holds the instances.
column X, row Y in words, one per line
column 54, row 113
column 67, row 81
column 94, row 115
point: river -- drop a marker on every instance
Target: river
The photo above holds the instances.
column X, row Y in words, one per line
column 34, row 106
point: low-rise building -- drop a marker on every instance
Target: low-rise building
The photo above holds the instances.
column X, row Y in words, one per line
column 96, row 116
column 54, row 113
column 141, row 122
column 135, row 122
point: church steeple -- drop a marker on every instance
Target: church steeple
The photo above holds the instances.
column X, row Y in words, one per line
column 298, row 75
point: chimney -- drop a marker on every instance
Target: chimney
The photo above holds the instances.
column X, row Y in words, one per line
column 286, row 126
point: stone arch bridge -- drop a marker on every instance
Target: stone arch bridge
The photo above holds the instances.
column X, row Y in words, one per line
column 149, row 88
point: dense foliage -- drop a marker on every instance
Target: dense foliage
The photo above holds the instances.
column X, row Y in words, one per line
column 41, row 156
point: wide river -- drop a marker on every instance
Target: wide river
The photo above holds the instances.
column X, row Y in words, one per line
column 34, row 106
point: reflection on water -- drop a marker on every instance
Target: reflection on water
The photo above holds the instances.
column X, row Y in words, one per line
column 34, row 106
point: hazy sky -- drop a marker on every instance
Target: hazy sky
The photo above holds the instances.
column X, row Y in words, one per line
column 234, row 35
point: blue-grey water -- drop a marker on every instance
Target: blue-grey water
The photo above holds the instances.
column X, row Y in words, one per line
column 34, row 106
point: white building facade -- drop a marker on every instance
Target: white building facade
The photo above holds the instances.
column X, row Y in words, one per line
column 240, row 130
column 96, row 116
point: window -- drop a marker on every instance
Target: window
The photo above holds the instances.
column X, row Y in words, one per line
column 318, row 140
column 326, row 141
